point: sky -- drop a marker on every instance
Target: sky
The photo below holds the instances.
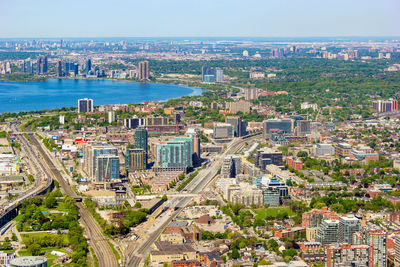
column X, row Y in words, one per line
column 198, row 18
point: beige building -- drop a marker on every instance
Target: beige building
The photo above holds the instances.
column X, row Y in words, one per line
column 246, row 195
column 310, row 233
column 167, row 252
column 241, row 105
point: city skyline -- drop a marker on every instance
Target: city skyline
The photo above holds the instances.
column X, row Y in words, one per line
column 179, row 18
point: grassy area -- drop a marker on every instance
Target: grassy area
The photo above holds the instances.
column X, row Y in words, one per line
column 273, row 212
column 47, row 252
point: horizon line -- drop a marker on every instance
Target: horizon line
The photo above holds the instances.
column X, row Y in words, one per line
column 211, row 36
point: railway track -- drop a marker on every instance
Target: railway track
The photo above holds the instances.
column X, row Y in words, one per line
column 95, row 235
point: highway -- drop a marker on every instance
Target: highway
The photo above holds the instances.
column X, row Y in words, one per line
column 41, row 184
column 95, row 235
column 135, row 255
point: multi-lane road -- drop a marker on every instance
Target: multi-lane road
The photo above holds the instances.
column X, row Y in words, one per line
column 41, row 183
column 135, row 255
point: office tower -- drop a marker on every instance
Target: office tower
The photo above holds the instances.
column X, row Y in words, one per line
column 219, row 75
column 85, row 105
column 59, row 69
column 236, row 123
column 45, row 64
column 303, row 127
column 88, row 65
column 349, row 255
column 223, row 130
column 135, row 160
column 174, row 154
column 347, row 227
column 39, row 66
column 276, row 124
column 141, row 136
column 144, row 70
column 111, row 116
column 90, row 154
column 107, row 168
column 327, row 232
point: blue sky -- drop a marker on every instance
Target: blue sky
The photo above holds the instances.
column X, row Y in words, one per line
column 147, row 18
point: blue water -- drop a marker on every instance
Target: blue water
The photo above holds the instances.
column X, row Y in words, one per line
column 58, row 93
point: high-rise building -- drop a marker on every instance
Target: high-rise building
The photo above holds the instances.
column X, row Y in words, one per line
column 174, row 154
column 141, row 137
column 303, row 127
column 277, row 124
column 134, row 123
column 375, row 237
column 268, row 156
column 111, row 116
column 88, row 65
column 39, row 66
column 236, row 123
column 59, row 69
column 45, row 64
column 250, row 93
column 144, row 70
column 223, row 130
column 349, row 255
column 61, row 119
column 29, row 67
column 85, row 105
column 327, row 232
column 212, row 75
column 385, row 105
column 135, row 159
column 397, row 249
column 219, row 75
column 107, row 168
column 347, row 227
column 90, row 154
column 239, row 106
column 196, row 150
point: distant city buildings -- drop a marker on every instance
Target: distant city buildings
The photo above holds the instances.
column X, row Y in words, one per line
column 144, row 70
column 212, row 75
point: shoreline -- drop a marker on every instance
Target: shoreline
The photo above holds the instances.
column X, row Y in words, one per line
column 195, row 91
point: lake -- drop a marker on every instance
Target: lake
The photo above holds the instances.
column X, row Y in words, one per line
column 58, row 93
